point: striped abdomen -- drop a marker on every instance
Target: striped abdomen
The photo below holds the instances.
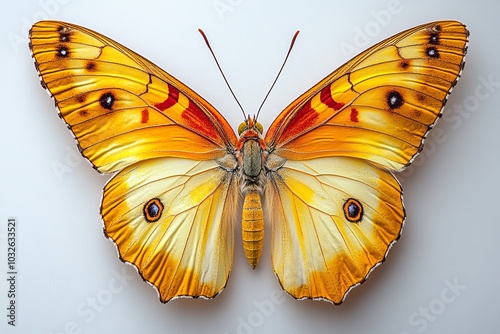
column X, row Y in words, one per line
column 252, row 226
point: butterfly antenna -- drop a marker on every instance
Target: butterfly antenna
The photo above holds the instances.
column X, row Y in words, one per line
column 281, row 69
column 221, row 72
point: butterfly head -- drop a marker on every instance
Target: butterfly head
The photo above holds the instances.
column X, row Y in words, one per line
column 250, row 125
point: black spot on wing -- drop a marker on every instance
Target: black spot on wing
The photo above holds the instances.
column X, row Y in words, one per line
column 62, row 51
column 394, row 100
column 107, row 100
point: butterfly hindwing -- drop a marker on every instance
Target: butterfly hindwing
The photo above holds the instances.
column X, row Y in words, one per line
column 334, row 219
column 174, row 225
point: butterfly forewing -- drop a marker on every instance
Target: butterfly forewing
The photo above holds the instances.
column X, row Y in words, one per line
column 379, row 105
column 110, row 97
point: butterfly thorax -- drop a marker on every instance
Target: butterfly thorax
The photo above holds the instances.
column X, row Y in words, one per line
column 250, row 152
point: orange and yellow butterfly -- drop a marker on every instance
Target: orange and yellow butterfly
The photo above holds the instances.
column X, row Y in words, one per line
column 322, row 174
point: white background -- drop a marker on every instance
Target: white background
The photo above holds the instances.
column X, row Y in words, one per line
column 67, row 270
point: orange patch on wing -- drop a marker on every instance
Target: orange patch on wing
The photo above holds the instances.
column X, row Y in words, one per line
column 327, row 285
column 334, row 282
column 160, row 268
column 332, row 285
column 174, row 281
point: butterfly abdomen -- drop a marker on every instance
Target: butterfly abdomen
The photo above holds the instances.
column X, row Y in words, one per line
column 252, row 226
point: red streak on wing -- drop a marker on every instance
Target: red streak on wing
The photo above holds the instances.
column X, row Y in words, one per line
column 303, row 119
column 192, row 116
column 354, row 115
column 173, row 97
column 308, row 115
column 326, row 98
column 196, row 120
column 145, row 116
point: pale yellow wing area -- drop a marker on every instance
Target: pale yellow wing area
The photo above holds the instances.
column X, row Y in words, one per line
column 122, row 108
column 173, row 220
column 380, row 105
column 334, row 219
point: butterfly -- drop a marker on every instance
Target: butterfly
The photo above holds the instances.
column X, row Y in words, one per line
column 322, row 174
